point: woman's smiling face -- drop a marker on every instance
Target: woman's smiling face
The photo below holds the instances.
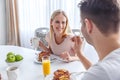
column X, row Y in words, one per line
column 59, row 23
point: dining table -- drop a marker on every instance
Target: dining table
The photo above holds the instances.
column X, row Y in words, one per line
column 29, row 69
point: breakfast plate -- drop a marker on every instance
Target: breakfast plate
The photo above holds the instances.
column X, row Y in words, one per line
column 39, row 56
column 50, row 77
column 39, row 62
column 73, row 76
column 55, row 57
column 52, row 58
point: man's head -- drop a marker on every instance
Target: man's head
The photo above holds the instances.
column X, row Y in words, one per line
column 105, row 14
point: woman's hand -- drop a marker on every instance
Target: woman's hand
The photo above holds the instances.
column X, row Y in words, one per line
column 41, row 44
column 66, row 56
column 43, row 47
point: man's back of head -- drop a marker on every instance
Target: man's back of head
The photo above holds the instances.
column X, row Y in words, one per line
column 105, row 14
column 101, row 28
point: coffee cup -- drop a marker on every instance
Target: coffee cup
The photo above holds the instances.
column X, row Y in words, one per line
column 12, row 73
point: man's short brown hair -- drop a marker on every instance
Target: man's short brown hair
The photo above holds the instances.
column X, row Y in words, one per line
column 104, row 13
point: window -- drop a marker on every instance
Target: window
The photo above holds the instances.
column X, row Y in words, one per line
column 36, row 13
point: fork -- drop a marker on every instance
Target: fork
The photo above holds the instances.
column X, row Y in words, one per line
column 77, row 73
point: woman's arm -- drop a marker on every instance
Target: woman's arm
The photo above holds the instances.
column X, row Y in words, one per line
column 67, row 57
column 43, row 47
column 73, row 58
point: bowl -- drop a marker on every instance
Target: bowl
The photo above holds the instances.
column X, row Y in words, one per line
column 16, row 64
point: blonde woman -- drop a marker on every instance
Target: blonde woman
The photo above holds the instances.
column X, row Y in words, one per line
column 59, row 37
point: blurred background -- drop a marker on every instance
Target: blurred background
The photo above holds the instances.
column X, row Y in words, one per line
column 28, row 15
column 20, row 18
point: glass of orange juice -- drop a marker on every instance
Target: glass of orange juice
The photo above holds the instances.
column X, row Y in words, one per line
column 46, row 65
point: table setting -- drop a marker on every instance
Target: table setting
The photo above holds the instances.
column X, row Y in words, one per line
column 32, row 69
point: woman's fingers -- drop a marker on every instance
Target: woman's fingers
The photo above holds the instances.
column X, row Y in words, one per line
column 64, row 55
column 40, row 43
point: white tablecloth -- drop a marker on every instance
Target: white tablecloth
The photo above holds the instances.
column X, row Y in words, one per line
column 29, row 70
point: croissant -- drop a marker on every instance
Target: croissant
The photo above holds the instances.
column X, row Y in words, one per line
column 41, row 54
column 61, row 74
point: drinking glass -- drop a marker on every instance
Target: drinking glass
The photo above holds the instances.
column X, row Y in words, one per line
column 35, row 43
column 46, row 66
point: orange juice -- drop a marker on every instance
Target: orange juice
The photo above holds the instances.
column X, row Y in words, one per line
column 46, row 67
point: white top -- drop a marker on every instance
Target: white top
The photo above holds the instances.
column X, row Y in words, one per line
column 57, row 49
column 107, row 69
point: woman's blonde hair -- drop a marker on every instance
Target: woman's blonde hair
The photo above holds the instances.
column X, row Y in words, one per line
column 67, row 29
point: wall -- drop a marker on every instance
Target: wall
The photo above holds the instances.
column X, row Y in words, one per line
column 90, row 53
column 2, row 23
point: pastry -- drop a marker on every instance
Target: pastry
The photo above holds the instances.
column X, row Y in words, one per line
column 61, row 74
column 41, row 54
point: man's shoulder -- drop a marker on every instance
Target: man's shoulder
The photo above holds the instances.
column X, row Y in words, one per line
column 113, row 55
column 96, row 72
column 111, row 62
column 107, row 69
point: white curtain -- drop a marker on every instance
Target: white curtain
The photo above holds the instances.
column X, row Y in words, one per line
column 36, row 13
column 12, row 23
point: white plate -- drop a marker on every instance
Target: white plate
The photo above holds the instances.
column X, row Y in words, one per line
column 36, row 60
column 50, row 77
column 39, row 62
column 57, row 58
column 73, row 76
column 52, row 58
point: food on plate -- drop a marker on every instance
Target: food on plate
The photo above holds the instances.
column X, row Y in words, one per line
column 12, row 57
column 61, row 74
column 41, row 54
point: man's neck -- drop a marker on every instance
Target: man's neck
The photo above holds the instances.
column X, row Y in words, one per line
column 106, row 45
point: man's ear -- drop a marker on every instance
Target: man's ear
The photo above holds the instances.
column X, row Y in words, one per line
column 89, row 25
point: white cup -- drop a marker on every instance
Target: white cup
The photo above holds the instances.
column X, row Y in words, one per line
column 35, row 42
column 12, row 73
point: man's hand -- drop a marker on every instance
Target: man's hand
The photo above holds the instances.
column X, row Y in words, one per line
column 78, row 43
